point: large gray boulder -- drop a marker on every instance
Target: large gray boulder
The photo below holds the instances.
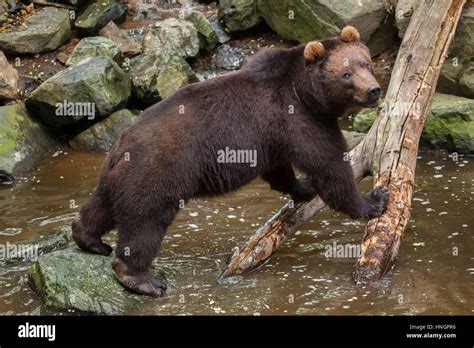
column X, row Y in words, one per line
column 72, row 279
column 306, row 20
column 173, row 36
column 98, row 14
column 156, row 75
column 46, row 30
column 239, row 14
column 96, row 46
column 22, row 141
column 450, row 125
column 102, row 135
column 457, row 74
column 8, row 79
column 93, row 88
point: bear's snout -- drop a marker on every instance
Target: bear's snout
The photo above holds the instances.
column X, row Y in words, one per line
column 373, row 92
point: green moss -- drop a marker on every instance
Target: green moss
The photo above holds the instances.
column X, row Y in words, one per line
column 73, row 279
column 449, row 126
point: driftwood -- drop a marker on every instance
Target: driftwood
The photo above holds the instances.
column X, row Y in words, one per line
column 388, row 152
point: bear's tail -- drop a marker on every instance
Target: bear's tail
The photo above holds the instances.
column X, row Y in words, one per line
column 95, row 219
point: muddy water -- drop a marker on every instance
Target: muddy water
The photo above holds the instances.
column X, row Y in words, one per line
column 434, row 273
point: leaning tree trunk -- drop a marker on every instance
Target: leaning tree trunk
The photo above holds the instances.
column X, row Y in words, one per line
column 388, row 151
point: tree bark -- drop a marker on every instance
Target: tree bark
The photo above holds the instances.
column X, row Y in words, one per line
column 388, row 151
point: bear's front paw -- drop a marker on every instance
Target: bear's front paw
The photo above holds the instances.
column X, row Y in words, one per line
column 303, row 190
column 377, row 201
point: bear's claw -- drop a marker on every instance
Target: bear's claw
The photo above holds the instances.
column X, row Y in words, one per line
column 377, row 200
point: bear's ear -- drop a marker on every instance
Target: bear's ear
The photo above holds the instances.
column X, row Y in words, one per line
column 350, row 34
column 313, row 50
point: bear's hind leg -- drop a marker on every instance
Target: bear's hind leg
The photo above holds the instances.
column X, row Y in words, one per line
column 137, row 246
column 94, row 220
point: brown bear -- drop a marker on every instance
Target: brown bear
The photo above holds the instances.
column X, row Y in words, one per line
column 282, row 106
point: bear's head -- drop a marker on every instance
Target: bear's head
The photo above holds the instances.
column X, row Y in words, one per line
column 342, row 68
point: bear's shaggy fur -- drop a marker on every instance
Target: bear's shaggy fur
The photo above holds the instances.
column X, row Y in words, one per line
column 284, row 105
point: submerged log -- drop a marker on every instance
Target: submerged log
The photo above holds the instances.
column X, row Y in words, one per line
column 388, row 151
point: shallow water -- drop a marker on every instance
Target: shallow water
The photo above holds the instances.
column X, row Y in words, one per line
column 299, row 278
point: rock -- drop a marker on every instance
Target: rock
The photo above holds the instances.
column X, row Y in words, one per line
column 96, row 46
column 98, row 14
column 75, row 3
column 353, row 138
column 450, row 125
column 228, row 57
column 94, row 87
column 8, row 79
column 127, row 45
column 149, row 10
column 403, row 12
column 457, row 75
column 239, row 14
column 306, row 20
column 102, row 135
column 207, row 35
column 222, row 36
column 62, row 57
column 466, row 81
column 45, row 31
column 175, row 36
column 73, row 279
column 156, row 75
column 3, row 11
column 209, row 73
column 384, row 38
column 22, row 141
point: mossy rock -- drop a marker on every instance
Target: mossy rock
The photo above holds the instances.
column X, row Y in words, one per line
column 73, row 279
column 156, row 75
column 97, row 81
column 22, row 141
column 306, row 20
column 45, row 31
column 207, row 35
column 449, row 126
column 176, row 37
column 239, row 15
column 98, row 14
column 102, row 135
column 96, row 46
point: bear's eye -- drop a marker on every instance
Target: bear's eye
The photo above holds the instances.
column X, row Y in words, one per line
column 346, row 75
column 368, row 66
